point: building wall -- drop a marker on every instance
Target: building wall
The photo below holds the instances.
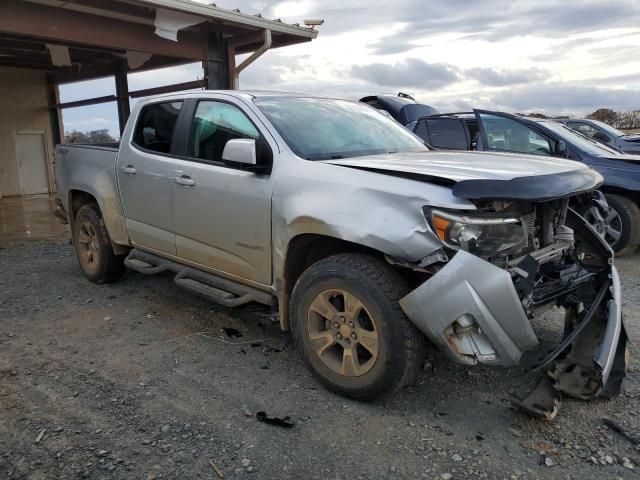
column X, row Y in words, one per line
column 23, row 107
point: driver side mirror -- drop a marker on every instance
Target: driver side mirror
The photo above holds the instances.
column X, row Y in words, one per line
column 601, row 137
column 249, row 154
column 240, row 150
column 561, row 149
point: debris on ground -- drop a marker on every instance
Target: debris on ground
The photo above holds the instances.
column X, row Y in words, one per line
column 285, row 422
column 216, row 469
column 232, row 332
column 41, row 435
column 616, row 427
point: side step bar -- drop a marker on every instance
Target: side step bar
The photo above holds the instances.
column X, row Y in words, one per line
column 212, row 287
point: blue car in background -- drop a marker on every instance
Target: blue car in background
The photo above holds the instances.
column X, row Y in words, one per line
column 619, row 223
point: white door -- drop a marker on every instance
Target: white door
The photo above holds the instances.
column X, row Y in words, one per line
column 32, row 163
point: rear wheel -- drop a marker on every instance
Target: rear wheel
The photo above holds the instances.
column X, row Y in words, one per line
column 93, row 247
column 620, row 227
column 350, row 329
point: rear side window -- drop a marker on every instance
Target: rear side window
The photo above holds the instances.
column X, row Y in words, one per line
column 214, row 124
column 448, row 133
column 422, row 132
column 155, row 126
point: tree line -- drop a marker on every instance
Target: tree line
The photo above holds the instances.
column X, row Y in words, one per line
column 621, row 120
column 93, row 136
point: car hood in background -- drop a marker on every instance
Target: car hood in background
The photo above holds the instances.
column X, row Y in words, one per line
column 625, row 157
column 480, row 175
column 630, row 138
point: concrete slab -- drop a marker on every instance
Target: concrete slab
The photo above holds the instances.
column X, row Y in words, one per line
column 29, row 218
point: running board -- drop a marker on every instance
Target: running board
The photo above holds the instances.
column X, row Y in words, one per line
column 212, row 287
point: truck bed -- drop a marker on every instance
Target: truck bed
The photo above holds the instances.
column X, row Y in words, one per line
column 91, row 168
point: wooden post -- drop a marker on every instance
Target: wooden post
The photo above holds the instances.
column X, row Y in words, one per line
column 122, row 96
column 216, row 67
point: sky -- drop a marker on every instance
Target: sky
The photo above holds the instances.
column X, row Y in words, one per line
column 555, row 57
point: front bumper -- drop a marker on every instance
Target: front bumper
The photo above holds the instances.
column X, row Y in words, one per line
column 471, row 310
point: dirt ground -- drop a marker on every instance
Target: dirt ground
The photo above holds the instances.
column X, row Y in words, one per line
column 112, row 382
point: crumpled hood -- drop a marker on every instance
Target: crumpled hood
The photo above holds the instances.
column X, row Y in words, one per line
column 460, row 166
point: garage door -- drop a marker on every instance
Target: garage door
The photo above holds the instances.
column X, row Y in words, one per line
column 32, row 163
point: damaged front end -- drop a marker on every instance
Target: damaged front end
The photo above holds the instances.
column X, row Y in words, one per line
column 509, row 262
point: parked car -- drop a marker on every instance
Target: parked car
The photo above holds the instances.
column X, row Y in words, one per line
column 366, row 240
column 403, row 108
column 483, row 130
column 604, row 133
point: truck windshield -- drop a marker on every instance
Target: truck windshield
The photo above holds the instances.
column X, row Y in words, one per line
column 324, row 129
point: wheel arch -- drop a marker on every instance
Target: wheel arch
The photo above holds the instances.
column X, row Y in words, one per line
column 623, row 192
column 77, row 198
column 303, row 251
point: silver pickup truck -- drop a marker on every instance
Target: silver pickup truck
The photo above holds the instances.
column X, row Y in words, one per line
column 369, row 242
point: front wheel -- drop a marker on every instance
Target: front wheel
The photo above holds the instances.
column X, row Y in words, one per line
column 350, row 329
column 620, row 226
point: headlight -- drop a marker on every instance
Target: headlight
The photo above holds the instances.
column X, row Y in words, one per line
column 480, row 235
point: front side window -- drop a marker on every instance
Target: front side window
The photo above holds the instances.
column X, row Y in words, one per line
column 214, row 124
column 324, row 129
column 512, row 136
column 155, row 126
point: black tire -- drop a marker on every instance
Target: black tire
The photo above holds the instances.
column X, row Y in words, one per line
column 629, row 214
column 378, row 288
column 104, row 265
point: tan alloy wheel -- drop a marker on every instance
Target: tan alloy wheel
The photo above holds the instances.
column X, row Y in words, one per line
column 88, row 243
column 342, row 333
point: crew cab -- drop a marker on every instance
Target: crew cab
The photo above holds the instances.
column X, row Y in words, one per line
column 367, row 241
column 617, row 219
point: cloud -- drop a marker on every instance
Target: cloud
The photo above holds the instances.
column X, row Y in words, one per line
column 411, row 72
column 568, row 98
column 500, row 78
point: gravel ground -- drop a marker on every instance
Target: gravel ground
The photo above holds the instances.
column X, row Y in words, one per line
column 111, row 382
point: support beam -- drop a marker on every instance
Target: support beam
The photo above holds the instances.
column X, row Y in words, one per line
column 106, row 70
column 122, row 95
column 55, row 115
column 69, row 27
column 87, row 101
column 216, row 70
column 176, row 87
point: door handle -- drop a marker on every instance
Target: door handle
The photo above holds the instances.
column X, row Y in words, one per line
column 129, row 170
column 184, row 180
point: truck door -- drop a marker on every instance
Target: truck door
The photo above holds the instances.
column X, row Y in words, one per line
column 143, row 172
column 506, row 133
column 222, row 212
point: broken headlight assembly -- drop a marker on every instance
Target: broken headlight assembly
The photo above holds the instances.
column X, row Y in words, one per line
column 481, row 235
